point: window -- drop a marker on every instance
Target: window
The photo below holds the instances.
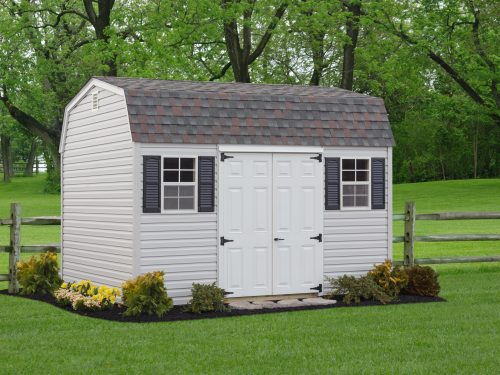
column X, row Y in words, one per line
column 355, row 182
column 179, row 184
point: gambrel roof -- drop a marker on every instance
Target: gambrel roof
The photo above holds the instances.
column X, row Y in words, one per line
column 258, row 114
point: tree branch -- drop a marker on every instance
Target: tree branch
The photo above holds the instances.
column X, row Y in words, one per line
column 222, row 73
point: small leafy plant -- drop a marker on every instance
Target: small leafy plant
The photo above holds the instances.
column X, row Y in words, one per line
column 84, row 295
column 146, row 294
column 354, row 289
column 422, row 281
column 39, row 276
column 206, row 297
column 391, row 279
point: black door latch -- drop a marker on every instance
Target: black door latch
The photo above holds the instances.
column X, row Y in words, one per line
column 223, row 241
column 319, row 237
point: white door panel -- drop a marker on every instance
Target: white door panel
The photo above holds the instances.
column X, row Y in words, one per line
column 246, row 220
column 263, row 197
column 298, row 216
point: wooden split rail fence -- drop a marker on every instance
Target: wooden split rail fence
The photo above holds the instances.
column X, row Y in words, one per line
column 409, row 217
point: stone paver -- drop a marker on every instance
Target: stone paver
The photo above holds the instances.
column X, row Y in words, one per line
column 244, row 305
column 291, row 303
column 268, row 304
column 318, row 301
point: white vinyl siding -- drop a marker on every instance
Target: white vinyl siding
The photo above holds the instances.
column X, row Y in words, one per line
column 183, row 245
column 355, row 239
column 97, row 184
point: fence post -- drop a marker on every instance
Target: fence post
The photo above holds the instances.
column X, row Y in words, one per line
column 15, row 246
column 409, row 256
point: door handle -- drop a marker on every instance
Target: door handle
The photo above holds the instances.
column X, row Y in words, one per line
column 278, row 239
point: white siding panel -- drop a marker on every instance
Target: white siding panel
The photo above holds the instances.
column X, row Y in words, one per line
column 354, row 240
column 184, row 246
column 97, row 207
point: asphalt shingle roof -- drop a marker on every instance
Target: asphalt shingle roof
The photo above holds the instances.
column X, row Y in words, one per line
column 244, row 113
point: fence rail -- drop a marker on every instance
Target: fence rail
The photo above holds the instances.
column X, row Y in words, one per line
column 409, row 217
column 409, row 238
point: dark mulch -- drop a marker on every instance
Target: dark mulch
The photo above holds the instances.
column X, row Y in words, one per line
column 179, row 313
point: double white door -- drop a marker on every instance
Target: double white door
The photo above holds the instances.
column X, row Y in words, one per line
column 270, row 216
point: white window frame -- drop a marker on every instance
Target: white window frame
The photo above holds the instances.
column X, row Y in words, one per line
column 368, row 183
column 194, row 183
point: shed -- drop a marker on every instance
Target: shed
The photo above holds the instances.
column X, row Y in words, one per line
column 264, row 189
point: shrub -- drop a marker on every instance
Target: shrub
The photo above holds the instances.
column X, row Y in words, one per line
column 391, row 279
column 422, row 281
column 146, row 294
column 84, row 295
column 39, row 276
column 206, row 297
column 357, row 288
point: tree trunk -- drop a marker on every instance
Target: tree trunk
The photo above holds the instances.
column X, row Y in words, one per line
column 28, row 170
column 6, row 158
column 475, row 149
column 352, row 32
column 318, row 55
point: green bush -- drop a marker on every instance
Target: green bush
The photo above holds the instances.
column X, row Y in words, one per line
column 206, row 297
column 422, row 281
column 39, row 276
column 357, row 288
column 391, row 279
column 146, row 294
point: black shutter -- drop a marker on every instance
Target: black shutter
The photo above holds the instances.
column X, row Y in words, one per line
column 332, row 183
column 206, row 183
column 378, row 183
column 151, row 196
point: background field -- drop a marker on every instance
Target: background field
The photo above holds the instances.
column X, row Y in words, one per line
column 459, row 336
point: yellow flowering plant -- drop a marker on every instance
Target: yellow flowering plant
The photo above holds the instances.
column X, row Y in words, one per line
column 391, row 279
column 84, row 295
column 39, row 276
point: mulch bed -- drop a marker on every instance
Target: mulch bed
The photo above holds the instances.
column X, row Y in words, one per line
column 179, row 313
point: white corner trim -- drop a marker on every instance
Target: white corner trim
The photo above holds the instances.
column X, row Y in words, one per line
column 90, row 85
column 271, row 148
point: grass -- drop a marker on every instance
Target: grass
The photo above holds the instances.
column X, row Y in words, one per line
column 459, row 336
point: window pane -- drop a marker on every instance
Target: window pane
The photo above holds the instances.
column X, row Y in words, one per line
column 171, row 191
column 361, row 200
column 348, row 163
column 186, row 203
column 349, row 189
column 187, row 176
column 362, row 189
column 362, row 164
column 187, row 163
column 186, row 191
column 171, row 204
column 171, row 176
column 348, row 176
column 170, row 163
column 362, row 176
column 348, row 201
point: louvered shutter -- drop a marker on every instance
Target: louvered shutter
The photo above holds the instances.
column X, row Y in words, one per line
column 332, row 183
column 378, row 183
column 206, row 183
column 151, row 196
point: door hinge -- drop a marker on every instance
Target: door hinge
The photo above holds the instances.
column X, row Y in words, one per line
column 319, row 288
column 227, row 293
column 319, row 237
column 223, row 241
column 318, row 157
column 223, row 156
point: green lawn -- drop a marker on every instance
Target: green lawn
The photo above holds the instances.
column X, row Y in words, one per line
column 459, row 336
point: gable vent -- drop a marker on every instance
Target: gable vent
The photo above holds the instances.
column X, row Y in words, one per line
column 95, row 100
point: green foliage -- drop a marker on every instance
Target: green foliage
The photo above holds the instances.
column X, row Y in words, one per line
column 354, row 289
column 206, row 297
column 146, row 294
column 422, row 281
column 391, row 279
column 39, row 276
